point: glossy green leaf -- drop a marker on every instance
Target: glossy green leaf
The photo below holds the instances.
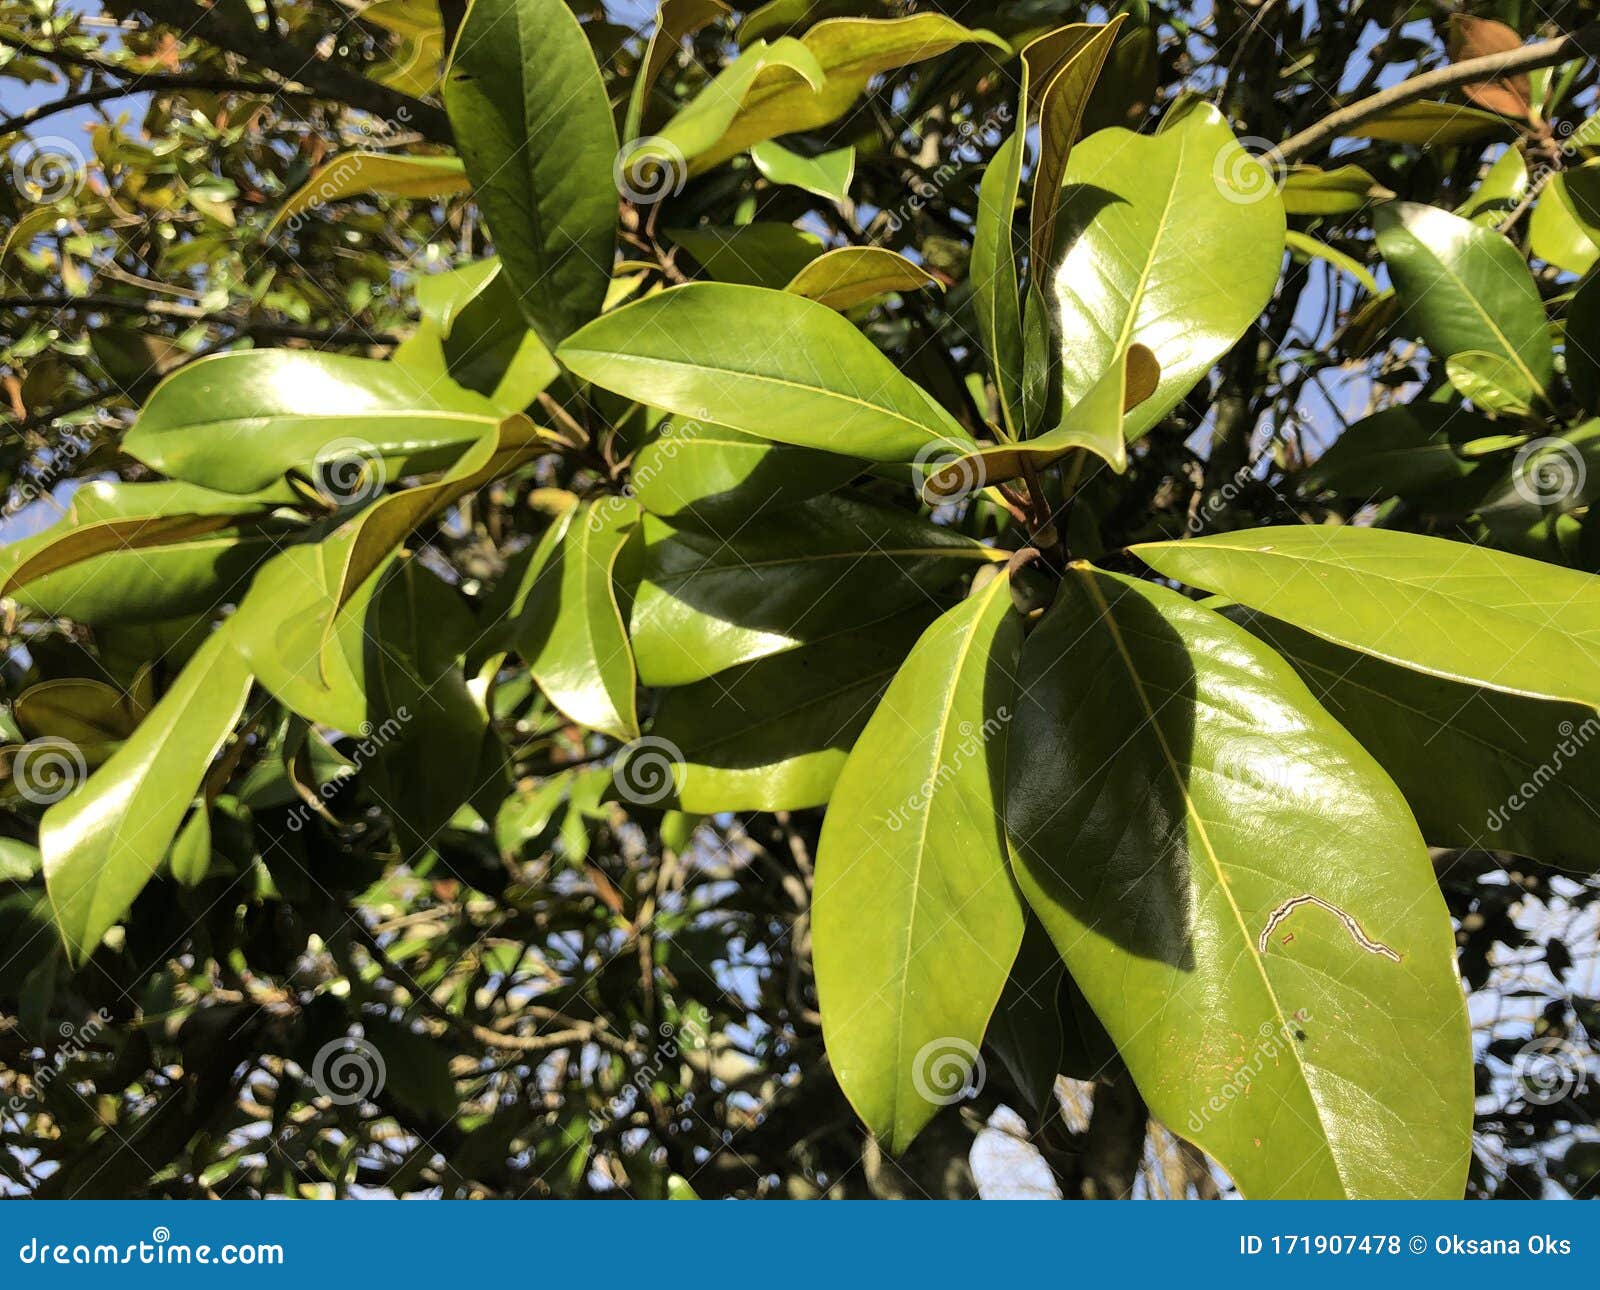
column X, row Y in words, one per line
column 1433, row 125
column 676, row 21
column 1243, row 897
column 1555, row 234
column 693, row 472
column 773, row 734
column 485, row 345
column 423, row 730
column 311, row 656
column 92, row 870
column 757, row 255
column 573, row 631
column 1304, row 245
column 237, row 422
column 533, row 124
column 700, row 124
column 852, row 275
column 849, row 52
column 1146, row 219
column 1499, row 192
column 1094, row 423
column 360, row 173
column 142, row 552
column 706, row 603
column 1402, row 451
column 1523, row 775
column 1491, row 382
column 1062, row 70
column 1464, row 287
column 1451, row 609
column 828, row 174
column 1310, row 190
column 768, row 363
column 915, row 919
column 995, row 277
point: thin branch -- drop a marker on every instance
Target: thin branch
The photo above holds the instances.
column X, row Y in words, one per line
column 233, row 30
column 1583, row 43
column 142, row 85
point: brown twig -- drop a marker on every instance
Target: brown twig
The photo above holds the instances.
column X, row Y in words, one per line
column 1583, row 43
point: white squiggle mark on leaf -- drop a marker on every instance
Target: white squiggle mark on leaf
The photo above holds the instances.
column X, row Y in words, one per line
column 1350, row 925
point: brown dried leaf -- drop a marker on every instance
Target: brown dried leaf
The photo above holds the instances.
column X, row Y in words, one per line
column 1474, row 38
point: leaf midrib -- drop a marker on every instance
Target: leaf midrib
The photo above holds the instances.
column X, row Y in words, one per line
column 1103, row 611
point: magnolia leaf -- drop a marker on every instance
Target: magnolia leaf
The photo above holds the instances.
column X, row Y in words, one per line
column 1144, row 217
column 769, row 363
column 92, row 872
column 359, row 173
column 533, row 124
column 853, row 275
column 1236, row 886
column 1464, row 287
column 1450, row 609
column 915, row 919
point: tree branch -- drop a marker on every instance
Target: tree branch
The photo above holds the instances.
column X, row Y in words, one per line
column 228, row 30
column 1583, row 43
column 142, row 85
